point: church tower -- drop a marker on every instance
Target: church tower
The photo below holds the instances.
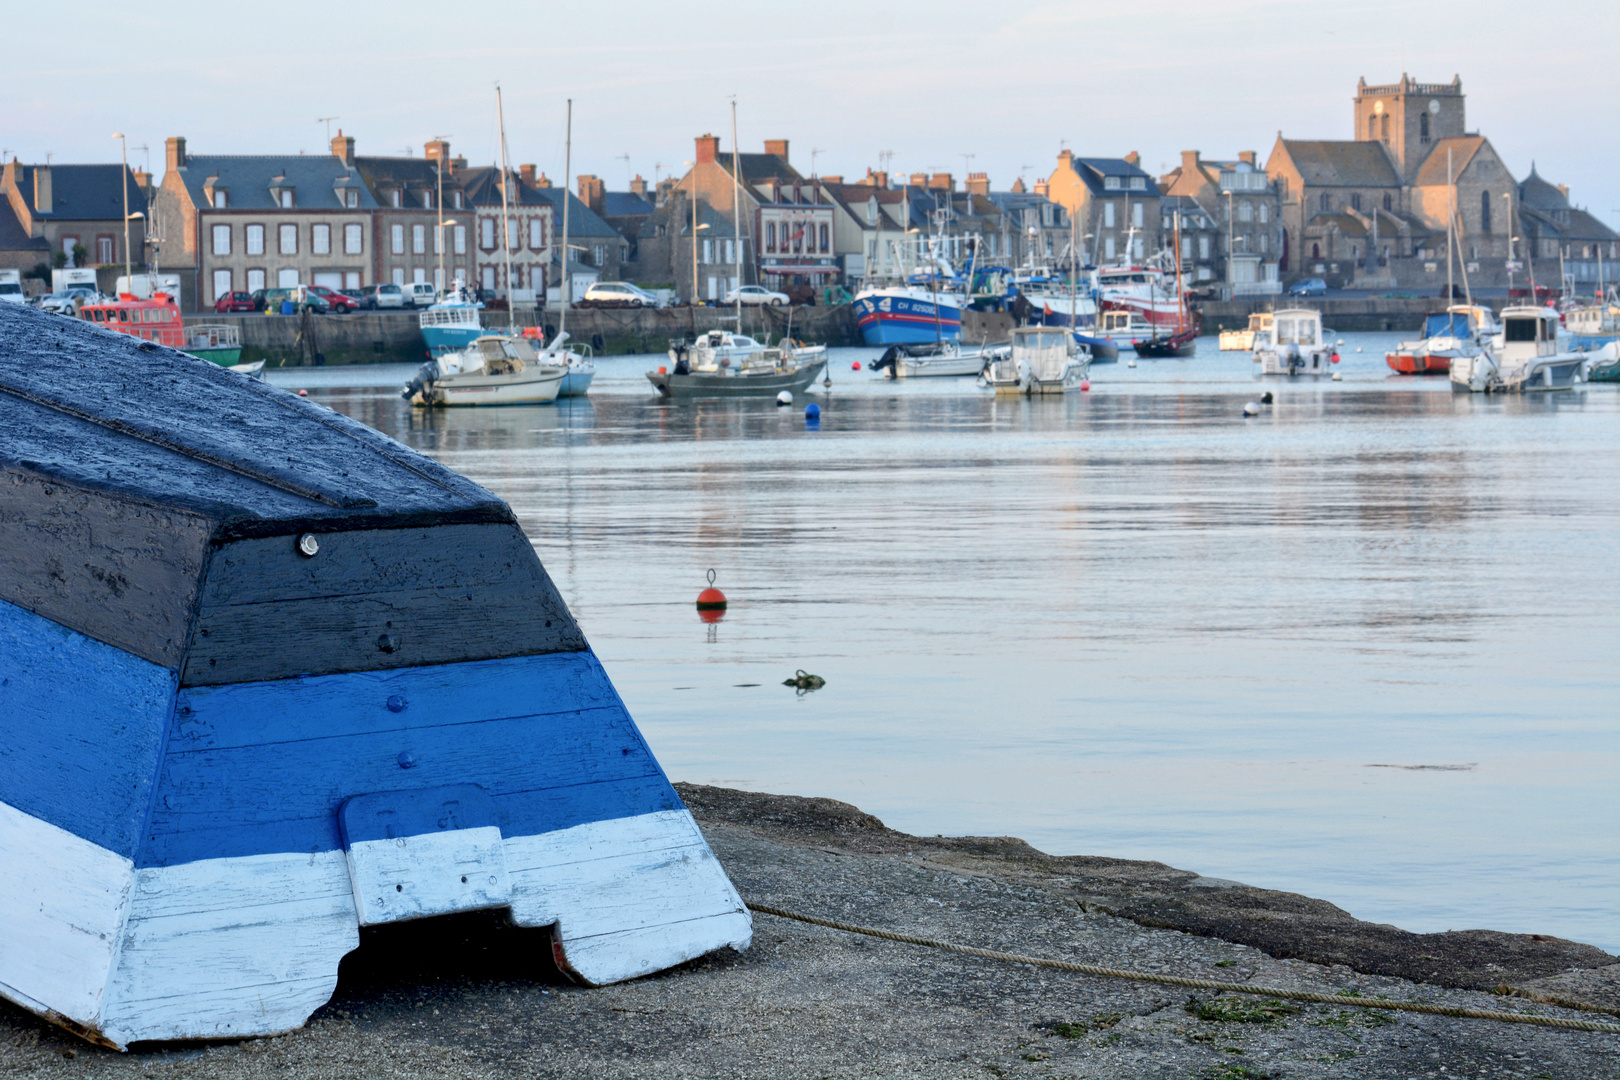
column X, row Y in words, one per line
column 1408, row 117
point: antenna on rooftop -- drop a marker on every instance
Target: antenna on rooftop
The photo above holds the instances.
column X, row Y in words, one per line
column 327, row 120
column 815, row 153
column 627, row 177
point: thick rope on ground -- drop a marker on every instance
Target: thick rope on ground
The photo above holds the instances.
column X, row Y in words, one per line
column 1198, row 984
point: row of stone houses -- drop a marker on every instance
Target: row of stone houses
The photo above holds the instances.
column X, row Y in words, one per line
column 70, row 215
column 242, row 222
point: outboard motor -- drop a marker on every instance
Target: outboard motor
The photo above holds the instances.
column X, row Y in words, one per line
column 682, row 365
column 1291, row 358
column 890, row 355
column 425, row 376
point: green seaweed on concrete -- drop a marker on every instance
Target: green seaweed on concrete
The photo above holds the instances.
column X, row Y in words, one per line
column 1241, row 1010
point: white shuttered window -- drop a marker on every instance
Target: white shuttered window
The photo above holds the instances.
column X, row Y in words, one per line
column 289, row 239
column 222, row 239
column 352, row 239
column 320, row 239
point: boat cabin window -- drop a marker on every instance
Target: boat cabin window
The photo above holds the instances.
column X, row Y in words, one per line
column 1295, row 332
column 1521, row 329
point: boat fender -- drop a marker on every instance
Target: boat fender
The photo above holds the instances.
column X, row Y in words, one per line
column 1252, row 409
column 1266, row 398
column 1085, row 384
column 1335, row 357
column 596, row 342
column 784, row 398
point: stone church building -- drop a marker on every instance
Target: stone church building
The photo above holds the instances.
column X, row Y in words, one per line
column 1371, row 212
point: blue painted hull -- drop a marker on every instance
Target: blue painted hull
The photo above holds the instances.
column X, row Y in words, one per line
column 575, row 383
column 447, row 339
column 906, row 321
column 1591, row 342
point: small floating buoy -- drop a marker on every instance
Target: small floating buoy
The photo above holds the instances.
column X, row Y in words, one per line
column 804, row 681
column 812, row 411
column 1339, row 342
column 663, row 370
column 1335, row 358
column 856, row 366
column 1085, row 384
column 1130, row 363
column 1358, row 348
column 1338, row 376
column 711, row 602
column 303, row 393
column 1266, row 398
column 1252, row 409
column 784, row 398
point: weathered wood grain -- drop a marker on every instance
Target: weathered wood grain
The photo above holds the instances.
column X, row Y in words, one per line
column 61, row 908
column 81, row 731
column 414, row 877
column 628, row 896
column 230, row 947
column 374, row 599
column 119, row 570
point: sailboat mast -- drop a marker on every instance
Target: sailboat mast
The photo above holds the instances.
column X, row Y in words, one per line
column 1180, row 296
column 506, row 213
column 1450, row 220
column 1074, row 308
column 568, row 183
column 736, row 208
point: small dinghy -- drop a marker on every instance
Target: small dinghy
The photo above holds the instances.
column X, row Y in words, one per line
column 268, row 676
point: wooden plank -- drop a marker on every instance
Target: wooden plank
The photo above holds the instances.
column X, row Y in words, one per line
column 263, row 767
column 627, row 896
column 413, row 877
column 231, row 947
column 61, row 906
column 120, row 571
column 81, row 730
column 374, row 599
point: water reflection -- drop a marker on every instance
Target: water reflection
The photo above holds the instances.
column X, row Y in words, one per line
column 1129, row 622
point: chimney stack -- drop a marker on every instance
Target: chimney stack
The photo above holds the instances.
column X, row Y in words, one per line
column 919, row 179
column 439, row 150
column 526, row 172
column 343, row 148
column 590, row 191
column 1018, row 186
column 778, row 147
column 1133, row 159
column 542, row 181
column 942, row 181
column 1040, row 187
column 1066, row 159
column 1189, row 162
column 978, row 183
column 42, row 189
column 638, row 186
column 176, row 152
column 708, row 149
column 1248, row 156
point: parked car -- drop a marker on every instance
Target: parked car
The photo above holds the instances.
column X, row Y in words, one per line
column 1314, row 286
column 270, row 300
column 383, row 296
column 62, row 302
column 336, row 300
column 757, row 294
column 235, row 301
column 418, row 293
column 357, row 297
column 618, row 294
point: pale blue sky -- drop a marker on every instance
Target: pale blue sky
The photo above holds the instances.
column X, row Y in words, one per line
column 1008, row 83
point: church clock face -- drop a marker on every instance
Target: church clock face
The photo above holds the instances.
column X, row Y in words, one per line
column 1434, row 107
column 1378, row 107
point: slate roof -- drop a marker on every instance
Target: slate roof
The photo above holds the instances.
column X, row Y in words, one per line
column 583, row 222
column 85, row 192
column 1432, row 173
column 410, row 171
column 314, row 178
column 1572, row 225
column 1092, row 172
column 757, row 168
column 854, row 198
column 1539, row 194
column 13, row 237
column 624, row 204
column 1342, row 164
column 483, row 187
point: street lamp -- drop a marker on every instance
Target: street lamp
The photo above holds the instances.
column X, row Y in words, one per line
column 1231, row 246
column 696, row 228
column 123, row 182
column 444, row 223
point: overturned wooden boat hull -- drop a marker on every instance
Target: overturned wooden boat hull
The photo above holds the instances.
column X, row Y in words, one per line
column 268, row 676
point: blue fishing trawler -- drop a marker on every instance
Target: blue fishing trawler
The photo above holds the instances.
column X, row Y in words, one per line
column 453, row 323
column 908, row 314
column 268, row 676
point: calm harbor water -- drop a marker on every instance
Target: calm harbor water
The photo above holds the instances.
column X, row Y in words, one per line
column 1363, row 647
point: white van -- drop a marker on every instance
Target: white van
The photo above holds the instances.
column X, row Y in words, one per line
column 11, row 290
column 419, row 293
column 142, row 286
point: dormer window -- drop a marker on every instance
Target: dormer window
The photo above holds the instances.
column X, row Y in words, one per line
column 221, row 198
column 396, row 198
column 1138, row 183
column 427, row 200
column 281, row 194
column 458, row 200
column 351, row 198
column 1110, row 183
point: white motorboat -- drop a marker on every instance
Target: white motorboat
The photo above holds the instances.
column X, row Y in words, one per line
column 943, row 359
column 1243, row 340
column 1042, row 360
column 1522, row 358
column 497, row 369
column 1123, row 328
column 716, row 348
column 1295, row 345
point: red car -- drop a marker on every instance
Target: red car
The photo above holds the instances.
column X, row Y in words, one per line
column 235, row 301
column 340, row 303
